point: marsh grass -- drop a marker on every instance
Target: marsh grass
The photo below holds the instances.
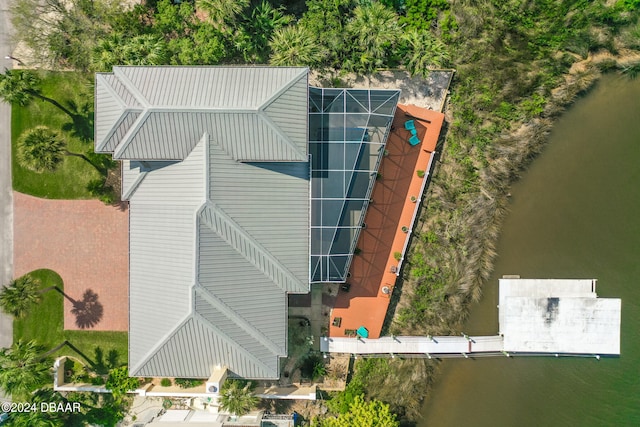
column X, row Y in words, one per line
column 514, row 77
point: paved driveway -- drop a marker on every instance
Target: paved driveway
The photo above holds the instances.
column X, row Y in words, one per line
column 6, row 204
column 87, row 244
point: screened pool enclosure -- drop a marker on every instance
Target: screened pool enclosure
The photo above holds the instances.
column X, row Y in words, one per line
column 348, row 129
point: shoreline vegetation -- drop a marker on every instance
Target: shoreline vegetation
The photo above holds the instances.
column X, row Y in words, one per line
column 519, row 64
column 453, row 252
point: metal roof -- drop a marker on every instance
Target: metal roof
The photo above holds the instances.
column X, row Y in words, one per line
column 257, row 113
column 219, row 229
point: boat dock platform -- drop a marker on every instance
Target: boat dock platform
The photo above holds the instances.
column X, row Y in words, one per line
column 557, row 317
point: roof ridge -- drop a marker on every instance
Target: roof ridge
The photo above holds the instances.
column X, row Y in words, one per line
column 154, row 350
column 132, row 88
column 240, row 321
column 273, row 98
column 128, row 136
column 262, row 115
column 123, row 115
column 109, row 88
column 223, row 336
column 240, row 240
column 132, row 189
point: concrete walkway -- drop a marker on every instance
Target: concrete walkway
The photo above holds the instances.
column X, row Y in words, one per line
column 6, row 201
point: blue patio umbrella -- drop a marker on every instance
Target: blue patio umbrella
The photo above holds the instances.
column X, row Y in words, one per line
column 362, row 331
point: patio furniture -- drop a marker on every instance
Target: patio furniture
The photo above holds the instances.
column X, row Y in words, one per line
column 363, row 332
column 410, row 125
column 345, row 287
column 337, row 321
column 414, row 140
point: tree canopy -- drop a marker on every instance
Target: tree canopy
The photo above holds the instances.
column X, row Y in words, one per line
column 20, row 295
column 23, row 369
column 41, row 149
column 362, row 413
column 236, row 397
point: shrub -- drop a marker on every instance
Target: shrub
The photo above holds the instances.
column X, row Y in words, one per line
column 309, row 365
column 397, row 256
column 319, row 371
column 420, row 173
column 165, row 382
column 188, row 382
column 98, row 380
column 105, row 194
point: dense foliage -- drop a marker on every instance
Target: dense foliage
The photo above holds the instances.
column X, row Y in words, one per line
column 351, row 35
column 363, row 413
column 120, row 383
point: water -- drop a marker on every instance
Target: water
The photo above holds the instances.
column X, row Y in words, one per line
column 574, row 214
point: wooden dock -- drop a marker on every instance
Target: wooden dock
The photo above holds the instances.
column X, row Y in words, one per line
column 428, row 346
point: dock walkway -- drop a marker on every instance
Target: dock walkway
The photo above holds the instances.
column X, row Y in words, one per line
column 429, row 346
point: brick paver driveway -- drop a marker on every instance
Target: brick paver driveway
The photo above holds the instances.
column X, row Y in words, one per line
column 87, row 244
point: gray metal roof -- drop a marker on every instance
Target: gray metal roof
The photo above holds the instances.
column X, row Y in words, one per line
column 216, row 241
column 257, row 113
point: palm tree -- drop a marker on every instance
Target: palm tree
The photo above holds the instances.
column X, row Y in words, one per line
column 21, row 294
column 295, row 45
column 45, row 418
column 236, row 399
column 19, row 87
column 22, row 369
column 106, row 53
column 146, row 49
column 41, row 150
column 221, row 12
column 424, row 51
column 374, row 29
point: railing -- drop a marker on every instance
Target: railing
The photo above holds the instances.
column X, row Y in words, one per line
column 277, row 417
column 415, row 211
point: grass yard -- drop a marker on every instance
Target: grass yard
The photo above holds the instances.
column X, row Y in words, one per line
column 45, row 325
column 73, row 90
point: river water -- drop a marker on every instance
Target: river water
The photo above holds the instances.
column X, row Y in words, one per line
column 574, row 214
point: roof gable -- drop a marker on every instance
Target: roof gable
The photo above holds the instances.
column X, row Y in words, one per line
column 255, row 113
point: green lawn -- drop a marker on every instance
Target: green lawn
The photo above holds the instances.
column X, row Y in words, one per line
column 45, row 325
column 71, row 180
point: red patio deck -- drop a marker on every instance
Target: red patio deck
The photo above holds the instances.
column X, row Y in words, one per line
column 392, row 209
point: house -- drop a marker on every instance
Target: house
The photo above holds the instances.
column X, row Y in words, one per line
column 244, row 185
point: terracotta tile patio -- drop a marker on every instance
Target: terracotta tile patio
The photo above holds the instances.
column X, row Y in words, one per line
column 87, row 244
column 365, row 304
